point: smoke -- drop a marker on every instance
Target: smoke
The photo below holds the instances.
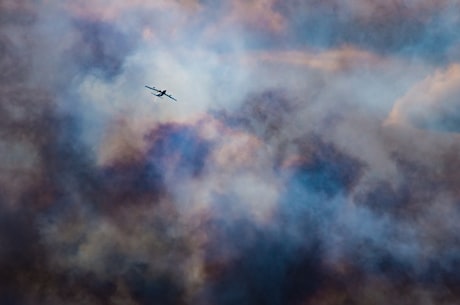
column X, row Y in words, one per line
column 310, row 158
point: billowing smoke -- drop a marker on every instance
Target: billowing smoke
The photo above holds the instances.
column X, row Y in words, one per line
column 311, row 157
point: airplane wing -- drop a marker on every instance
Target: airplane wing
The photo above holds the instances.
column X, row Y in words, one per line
column 152, row 88
column 170, row 97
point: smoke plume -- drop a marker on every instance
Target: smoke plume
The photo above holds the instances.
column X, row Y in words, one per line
column 311, row 157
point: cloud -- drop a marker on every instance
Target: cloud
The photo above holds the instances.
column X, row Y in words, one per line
column 335, row 60
column 430, row 104
column 101, row 10
column 310, row 158
column 413, row 29
column 260, row 14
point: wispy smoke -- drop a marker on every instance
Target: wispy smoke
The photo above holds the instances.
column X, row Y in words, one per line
column 311, row 157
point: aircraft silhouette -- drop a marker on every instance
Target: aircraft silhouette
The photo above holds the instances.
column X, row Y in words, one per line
column 160, row 93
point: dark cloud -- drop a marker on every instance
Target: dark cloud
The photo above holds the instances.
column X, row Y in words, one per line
column 265, row 271
column 390, row 28
column 17, row 13
column 181, row 145
column 12, row 65
column 100, row 48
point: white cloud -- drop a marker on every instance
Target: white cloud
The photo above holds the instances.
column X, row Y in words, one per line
column 431, row 101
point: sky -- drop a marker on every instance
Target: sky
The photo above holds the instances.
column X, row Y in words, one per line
column 311, row 157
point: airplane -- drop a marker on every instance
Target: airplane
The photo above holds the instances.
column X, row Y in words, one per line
column 160, row 92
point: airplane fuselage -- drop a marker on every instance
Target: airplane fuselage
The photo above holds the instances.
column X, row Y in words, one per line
column 161, row 93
